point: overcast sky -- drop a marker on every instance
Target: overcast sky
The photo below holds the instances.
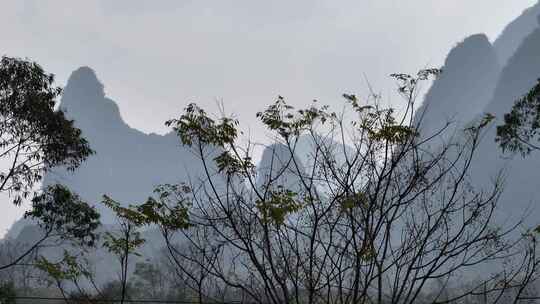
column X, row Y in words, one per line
column 155, row 56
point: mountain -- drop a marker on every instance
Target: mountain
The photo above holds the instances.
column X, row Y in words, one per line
column 462, row 91
column 520, row 174
column 512, row 36
column 478, row 77
column 128, row 164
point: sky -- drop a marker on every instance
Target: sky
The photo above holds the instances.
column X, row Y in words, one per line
column 156, row 56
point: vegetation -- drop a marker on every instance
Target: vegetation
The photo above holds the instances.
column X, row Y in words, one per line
column 519, row 132
column 356, row 208
column 376, row 217
column 35, row 137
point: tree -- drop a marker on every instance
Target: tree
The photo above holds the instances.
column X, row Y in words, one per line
column 519, row 132
column 63, row 219
column 375, row 216
column 124, row 242
column 34, row 138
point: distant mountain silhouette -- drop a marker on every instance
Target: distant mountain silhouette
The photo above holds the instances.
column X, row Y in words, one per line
column 521, row 175
column 518, row 76
column 308, row 144
column 463, row 89
column 477, row 78
column 128, row 164
column 512, row 36
column 278, row 168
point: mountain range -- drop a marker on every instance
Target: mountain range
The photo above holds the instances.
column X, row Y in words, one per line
column 478, row 77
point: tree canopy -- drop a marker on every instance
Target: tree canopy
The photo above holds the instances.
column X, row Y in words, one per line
column 34, row 135
column 520, row 130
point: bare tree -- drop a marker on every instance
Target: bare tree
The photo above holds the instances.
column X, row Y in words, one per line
column 372, row 214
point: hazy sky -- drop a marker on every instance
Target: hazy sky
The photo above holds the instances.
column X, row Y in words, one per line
column 155, row 56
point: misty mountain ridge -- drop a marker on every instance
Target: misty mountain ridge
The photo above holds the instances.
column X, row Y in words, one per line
column 462, row 91
column 521, row 175
column 475, row 82
column 478, row 77
column 128, row 164
column 514, row 33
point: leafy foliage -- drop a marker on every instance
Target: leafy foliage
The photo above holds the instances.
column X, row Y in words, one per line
column 128, row 240
column 59, row 210
column 393, row 133
column 120, row 245
column 378, row 223
column 519, row 133
column 355, row 200
column 231, row 164
column 195, row 123
column 67, row 269
column 123, row 213
column 282, row 118
column 125, row 240
column 407, row 84
column 159, row 210
column 34, row 136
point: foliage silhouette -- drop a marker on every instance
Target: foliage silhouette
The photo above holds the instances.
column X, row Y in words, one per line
column 35, row 138
column 379, row 227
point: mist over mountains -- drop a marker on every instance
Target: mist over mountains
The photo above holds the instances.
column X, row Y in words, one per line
column 478, row 77
column 514, row 34
column 475, row 82
column 128, row 164
column 521, row 174
column 463, row 90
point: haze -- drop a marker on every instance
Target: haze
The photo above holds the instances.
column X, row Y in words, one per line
column 154, row 58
